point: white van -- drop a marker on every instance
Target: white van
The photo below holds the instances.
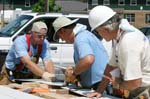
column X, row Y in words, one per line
column 61, row 52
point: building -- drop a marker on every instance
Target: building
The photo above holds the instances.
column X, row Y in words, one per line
column 13, row 4
column 10, row 9
column 72, row 6
column 136, row 11
column 66, row 5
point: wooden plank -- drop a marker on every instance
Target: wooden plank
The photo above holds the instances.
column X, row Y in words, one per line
column 8, row 93
column 52, row 94
column 55, row 96
column 42, row 81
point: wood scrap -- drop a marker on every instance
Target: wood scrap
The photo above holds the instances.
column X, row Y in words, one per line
column 35, row 85
column 40, row 90
column 16, row 86
column 9, row 93
column 55, row 96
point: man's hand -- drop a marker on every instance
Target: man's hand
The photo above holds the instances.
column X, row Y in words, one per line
column 94, row 94
column 48, row 76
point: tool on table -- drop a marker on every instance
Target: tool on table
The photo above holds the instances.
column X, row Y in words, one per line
column 59, row 75
column 36, row 90
column 59, row 78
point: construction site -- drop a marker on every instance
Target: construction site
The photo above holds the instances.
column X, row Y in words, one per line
column 42, row 59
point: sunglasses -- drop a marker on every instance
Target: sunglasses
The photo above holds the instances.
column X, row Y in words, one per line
column 40, row 35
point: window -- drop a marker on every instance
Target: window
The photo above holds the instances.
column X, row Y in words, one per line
column 94, row 2
column 133, row 2
column 27, row 3
column 130, row 17
column 147, row 19
column 147, row 2
column 106, row 2
column 15, row 25
column 121, row 2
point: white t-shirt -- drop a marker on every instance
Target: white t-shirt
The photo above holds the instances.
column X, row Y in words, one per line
column 131, row 53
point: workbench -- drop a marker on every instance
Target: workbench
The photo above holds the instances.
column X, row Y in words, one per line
column 25, row 90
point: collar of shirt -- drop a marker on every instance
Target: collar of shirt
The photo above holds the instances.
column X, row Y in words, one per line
column 78, row 28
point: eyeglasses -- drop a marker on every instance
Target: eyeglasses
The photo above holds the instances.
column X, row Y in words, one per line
column 40, row 35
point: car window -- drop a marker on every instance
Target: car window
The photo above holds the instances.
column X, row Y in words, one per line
column 147, row 32
column 50, row 33
column 48, row 21
column 85, row 22
column 11, row 28
column 51, row 30
column 143, row 30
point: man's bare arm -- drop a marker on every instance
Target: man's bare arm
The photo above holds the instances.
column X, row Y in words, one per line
column 106, row 79
column 34, row 68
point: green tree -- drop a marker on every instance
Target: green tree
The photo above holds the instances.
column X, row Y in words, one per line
column 40, row 6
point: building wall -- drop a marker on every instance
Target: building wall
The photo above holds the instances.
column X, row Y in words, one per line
column 139, row 17
column 21, row 4
column 13, row 4
column 72, row 6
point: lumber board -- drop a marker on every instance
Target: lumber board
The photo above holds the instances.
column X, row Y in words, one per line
column 55, row 96
column 9, row 93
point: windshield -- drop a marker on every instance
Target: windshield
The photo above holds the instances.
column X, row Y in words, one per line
column 15, row 25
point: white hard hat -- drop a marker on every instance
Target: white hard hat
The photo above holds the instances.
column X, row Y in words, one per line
column 99, row 15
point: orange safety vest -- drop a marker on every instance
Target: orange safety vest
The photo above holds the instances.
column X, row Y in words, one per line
column 21, row 65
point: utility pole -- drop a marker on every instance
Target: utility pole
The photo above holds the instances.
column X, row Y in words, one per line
column 3, row 13
column 47, row 6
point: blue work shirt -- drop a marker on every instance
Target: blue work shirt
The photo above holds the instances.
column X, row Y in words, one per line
column 86, row 43
column 19, row 49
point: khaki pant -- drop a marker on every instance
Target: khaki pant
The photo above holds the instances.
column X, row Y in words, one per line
column 4, row 76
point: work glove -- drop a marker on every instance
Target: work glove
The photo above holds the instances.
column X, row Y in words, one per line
column 48, row 76
column 70, row 78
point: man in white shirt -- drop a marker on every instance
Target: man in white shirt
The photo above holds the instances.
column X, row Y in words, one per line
column 130, row 53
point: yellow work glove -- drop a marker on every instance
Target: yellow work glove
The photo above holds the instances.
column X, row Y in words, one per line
column 48, row 76
column 70, row 78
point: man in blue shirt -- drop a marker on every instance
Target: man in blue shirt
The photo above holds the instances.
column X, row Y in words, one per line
column 90, row 56
column 22, row 59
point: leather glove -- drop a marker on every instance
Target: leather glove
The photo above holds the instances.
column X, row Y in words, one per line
column 70, row 78
column 69, row 71
column 48, row 76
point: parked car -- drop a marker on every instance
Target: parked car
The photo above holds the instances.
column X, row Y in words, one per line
column 146, row 31
column 61, row 52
